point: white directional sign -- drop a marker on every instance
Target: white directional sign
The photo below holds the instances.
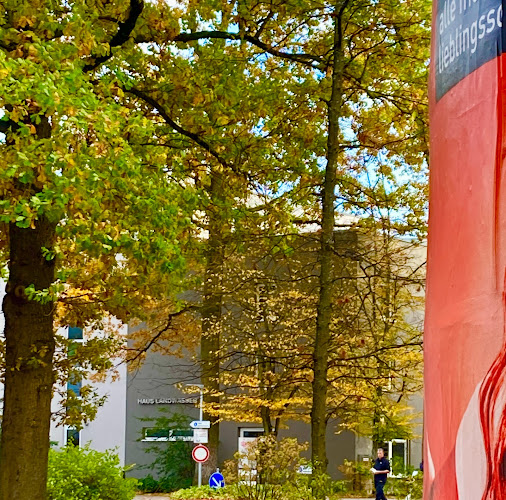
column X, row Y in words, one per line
column 200, row 424
column 200, row 436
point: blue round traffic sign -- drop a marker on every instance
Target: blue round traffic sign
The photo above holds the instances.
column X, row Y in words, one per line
column 216, row 480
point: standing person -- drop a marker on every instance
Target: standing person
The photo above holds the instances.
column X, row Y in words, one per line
column 380, row 470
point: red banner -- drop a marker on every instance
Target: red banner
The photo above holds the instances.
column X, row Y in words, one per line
column 465, row 354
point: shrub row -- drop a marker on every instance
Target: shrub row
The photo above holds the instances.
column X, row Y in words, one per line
column 84, row 474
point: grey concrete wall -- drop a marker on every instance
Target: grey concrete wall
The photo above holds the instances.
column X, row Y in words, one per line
column 363, row 447
column 339, row 446
column 154, row 380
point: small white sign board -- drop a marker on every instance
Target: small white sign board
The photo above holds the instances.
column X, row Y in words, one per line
column 305, row 469
column 200, row 436
column 200, row 424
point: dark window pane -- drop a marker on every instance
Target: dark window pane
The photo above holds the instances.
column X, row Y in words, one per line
column 72, row 348
column 398, row 450
column 252, row 434
column 74, row 384
column 181, row 433
column 73, row 437
column 75, row 333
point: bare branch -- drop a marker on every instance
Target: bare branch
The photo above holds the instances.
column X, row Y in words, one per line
column 122, row 35
column 165, row 115
column 310, row 60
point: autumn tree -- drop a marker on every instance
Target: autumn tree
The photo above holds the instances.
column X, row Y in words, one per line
column 364, row 79
column 374, row 91
column 229, row 120
column 103, row 98
column 342, row 67
column 269, row 322
column 91, row 221
column 268, row 330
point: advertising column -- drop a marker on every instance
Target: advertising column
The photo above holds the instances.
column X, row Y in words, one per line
column 465, row 354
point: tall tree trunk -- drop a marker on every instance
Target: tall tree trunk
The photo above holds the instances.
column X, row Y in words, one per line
column 263, row 366
column 211, row 319
column 322, row 338
column 28, row 366
column 29, row 349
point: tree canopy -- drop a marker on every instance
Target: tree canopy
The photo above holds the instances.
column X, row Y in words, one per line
column 144, row 140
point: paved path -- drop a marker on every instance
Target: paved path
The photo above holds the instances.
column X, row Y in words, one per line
column 164, row 497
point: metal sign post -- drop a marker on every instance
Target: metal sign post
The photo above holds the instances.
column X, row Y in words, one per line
column 200, row 424
column 200, row 454
column 201, row 416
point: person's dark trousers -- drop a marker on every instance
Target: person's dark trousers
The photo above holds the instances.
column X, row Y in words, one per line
column 379, row 491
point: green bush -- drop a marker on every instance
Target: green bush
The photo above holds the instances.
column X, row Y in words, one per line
column 203, row 493
column 164, row 484
column 242, row 492
column 173, row 465
column 269, row 471
column 406, row 485
column 83, row 474
column 341, row 486
column 149, row 484
column 358, row 476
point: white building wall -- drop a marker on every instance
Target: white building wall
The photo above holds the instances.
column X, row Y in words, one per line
column 108, row 430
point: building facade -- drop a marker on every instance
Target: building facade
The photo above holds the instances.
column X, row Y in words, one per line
column 135, row 399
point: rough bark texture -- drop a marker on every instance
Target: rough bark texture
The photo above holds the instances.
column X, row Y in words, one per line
column 29, row 371
column 322, row 338
column 211, row 319
column 29, row 378
column 29, row 349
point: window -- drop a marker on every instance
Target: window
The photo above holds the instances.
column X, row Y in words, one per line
column 156, row 434
column 72, row 436
column 75, row 383
column 75, row 333
column 251, row 433
column 398, row 456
